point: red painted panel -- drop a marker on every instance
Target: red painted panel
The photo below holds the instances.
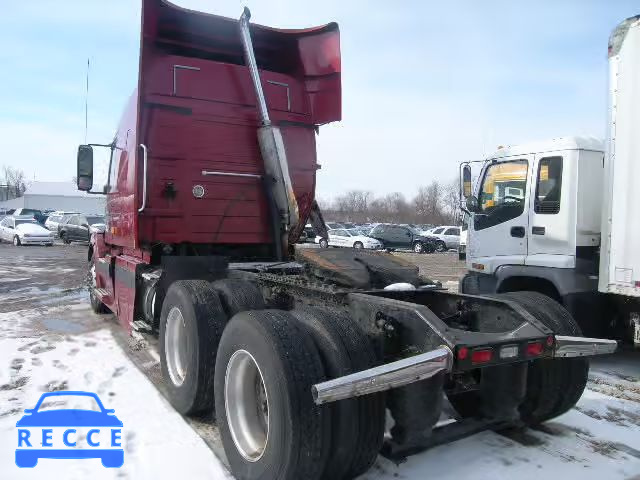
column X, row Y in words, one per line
column 203, row 118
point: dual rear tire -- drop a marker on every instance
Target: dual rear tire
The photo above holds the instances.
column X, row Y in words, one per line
column 553, row 386
column 257, row 370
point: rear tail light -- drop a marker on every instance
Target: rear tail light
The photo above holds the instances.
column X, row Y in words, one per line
column 534, row 349
column 463, row 352
column 481, row 356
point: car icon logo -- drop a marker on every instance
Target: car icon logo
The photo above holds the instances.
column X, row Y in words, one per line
column 46, row 431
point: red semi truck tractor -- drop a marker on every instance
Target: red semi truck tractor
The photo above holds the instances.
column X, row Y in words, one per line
column 299, row 353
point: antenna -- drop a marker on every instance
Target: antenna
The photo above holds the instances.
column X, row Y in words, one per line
column 86, row 105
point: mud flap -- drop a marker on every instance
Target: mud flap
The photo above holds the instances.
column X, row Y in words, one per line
column 415, row 409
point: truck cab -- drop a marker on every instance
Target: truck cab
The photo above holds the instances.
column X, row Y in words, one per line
column 535, row 221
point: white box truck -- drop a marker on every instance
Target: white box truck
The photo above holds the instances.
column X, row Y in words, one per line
column 570, row 230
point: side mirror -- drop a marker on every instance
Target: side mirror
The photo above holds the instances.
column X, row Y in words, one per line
column 85, row 168
column 466, row 181
column 85, row 225
column 472, row 204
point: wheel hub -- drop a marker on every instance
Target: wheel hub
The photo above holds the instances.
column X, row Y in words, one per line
column 176, row 346
column 247, row 405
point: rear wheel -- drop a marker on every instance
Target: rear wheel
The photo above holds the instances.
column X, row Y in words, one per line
column 358, row 245
column 270, row 427
column 324, row 243
column 191, row 325
column 357, row 424
column 553, row 386
column 238, row 295
column 65, row 238
column 441, row 246
column 418, row 247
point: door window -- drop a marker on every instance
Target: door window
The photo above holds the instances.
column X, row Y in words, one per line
column 549, row 186
column 453, row 231
column 438, row 231
column 502, row 194
column 73, row 221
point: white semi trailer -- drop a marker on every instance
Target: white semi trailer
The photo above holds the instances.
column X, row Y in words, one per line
column 574, row 233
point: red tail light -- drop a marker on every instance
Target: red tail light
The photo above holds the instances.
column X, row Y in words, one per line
column 462, row 353
column 534, row 349
column 481, row 356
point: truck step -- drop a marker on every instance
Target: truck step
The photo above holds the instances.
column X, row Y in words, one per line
column 142, row 327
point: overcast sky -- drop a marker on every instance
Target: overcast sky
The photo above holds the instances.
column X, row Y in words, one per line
column 425, row 84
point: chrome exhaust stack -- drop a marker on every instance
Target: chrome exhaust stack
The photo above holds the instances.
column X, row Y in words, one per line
column 272, row 147
column 384, row 377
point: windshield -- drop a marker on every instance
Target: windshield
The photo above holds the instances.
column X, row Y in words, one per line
column 69, row 402
column 22, row 222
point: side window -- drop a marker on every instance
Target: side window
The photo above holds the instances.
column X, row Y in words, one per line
column 549, row 186
column 502, row 194
column 73, row 221
column 340, row 233
column 82, row 220
column 452, row 231
column 5, row 222
column 114, row 163
column 438, row 231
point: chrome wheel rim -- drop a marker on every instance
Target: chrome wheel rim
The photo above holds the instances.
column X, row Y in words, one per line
column 247, row 405
column 175, row 346
column 15, row 241
column 417, row 248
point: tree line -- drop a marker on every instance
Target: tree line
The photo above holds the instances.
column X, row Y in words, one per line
column 436, row 204
column 12, row 183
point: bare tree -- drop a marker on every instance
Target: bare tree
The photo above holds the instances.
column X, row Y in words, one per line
column 451, row 201
column 14, row 179
column 435, row 204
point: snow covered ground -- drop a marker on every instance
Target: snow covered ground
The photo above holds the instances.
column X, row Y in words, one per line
column 50, row 340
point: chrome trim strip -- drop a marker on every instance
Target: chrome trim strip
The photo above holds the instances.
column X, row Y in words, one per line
column 144, row 178
column 582, row 346
column 231, row 174
column 175, row 75
column 384, row 377
column 285, row 85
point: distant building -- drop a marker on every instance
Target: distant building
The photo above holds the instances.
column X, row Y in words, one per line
column 8, row 192
column 57, row 196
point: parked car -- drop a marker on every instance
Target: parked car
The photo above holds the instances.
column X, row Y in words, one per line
column 341, row 237
column 58, row 218
column 397, row 236
column 77, row 228
column 30, row 212
column 447, row 237
column 462, row 246
column 333, row 225
column 24, row 231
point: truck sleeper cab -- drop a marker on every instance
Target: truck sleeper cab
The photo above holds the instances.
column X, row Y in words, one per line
column 293, row 352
